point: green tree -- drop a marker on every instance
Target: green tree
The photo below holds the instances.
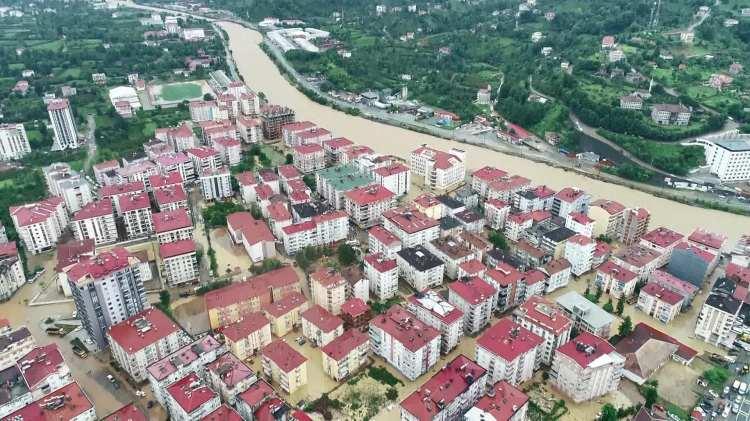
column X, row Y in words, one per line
column 620, row 306
column 309, row 180
column 625, row 327
column 608, row 307
column 716, row 377
column 165, row 298
column 609, row 413
column 391, row 393
column 498, row 240
column 289, row 158
column 346, row 254
column 650, row 392
column 256, row 212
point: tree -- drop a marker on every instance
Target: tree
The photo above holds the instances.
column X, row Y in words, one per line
column 208, row 97
column 289, row 158
column 498, row 240
column 598, row 294
column 346, row 254
column 620, row 306
column 391, row 394
column 608, row 306
column 309, row 181
column 609, row 413
column 625, row 327
column 256, row 212
column 716, row 377
column 650, row 393
column 165, row 298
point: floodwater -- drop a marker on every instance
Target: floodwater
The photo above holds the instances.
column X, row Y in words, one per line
column 261, row 74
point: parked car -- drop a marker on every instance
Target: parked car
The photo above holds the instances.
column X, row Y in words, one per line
column 735, row 408
column 743, row 388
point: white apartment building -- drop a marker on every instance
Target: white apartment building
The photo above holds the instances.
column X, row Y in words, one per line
column 320, row 326
column 727, row 155
column 382, row 272
column 115, row 191
column 395, row 177
column 502, row 402
column 420, row 268
column 144, row 339
column 570, row 200
column 638, row 259
column 442, row 171
column 542, row 318
column 380, row 240
column 39, row 225
column 476, row 299
column 663, row 241
column 12, row 276
column 63, row 125
column 365, row 205
column 495, row 213
column 328, row 289
column 659, row 302
column 136, row 213
column 481, row 179
column 586, row 367
column 190, row 398
column 15, row 344
column 508, row 351
column 408, row 344
column 434, row 310
column 321, row 229
column 171, row 226
column 216, row 185
column 205, row 159
column 717, row 318
column 179, row 262
column 558, row 274
column 579, row 251
column 229, row 376
column 95, row 220
column 229, row 150
column 14, row 143
column 615, row 280
column 580, row 223
column 344, row 355
column 452, row 252
column 309, row 158
column 411, row 226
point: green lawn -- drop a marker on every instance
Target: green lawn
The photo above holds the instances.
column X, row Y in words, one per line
column 180, row 91
column 55, row 45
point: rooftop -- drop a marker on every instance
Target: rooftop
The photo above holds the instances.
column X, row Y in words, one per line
column 380, row 263
column 344, row 177
column 409, row 220
column 40, row 363
column 502, row 403
column 580, row 307
column 176, row 248
column 65, row 403
column 117, row 189
column 190, row 392
column 588, row 350
column 637, row 255
column 488, row 174
column 230, row 370
column 442, row 160
column 617, row 272
column 34, row 213
column 643, row 333
column 508, row 339
column 405, row 328
column 256, row 393
column 452, row 248
column 544, row 314
column 94, row 209
column 158, row 181
column 437, row 305
column 134, row 201
column 286, row 304
column 171, row 220
column 182, row 357
column 370, row 194
column 662, row 237
column 708, row 239
column 420, row 258
column 129, row 412
column 101, row 265
column 662, row 293
column 472, row 290
column 345, row 343
column 283, row 355
column 570, row 194
column 609, row 206
column 253, row 230
column 142, row 330
column 73, row 252
column 354, row 307
column 223, row 413
column 250, row 322
column 170, row 194
column 322, row 318
column 251, row 287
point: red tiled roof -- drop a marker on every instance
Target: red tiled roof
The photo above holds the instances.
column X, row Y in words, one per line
column 708, row 239
column 268, row 409
column 202, row 152
column 706, row 256
column 308, row 149
column 230, row 370
column 327, row 277
column 246, row 178
column 190, row 397
column 637, row 255
column 158, row 180
column 380, row 263
column 580, row 240
column 267, row 175
column 299, row 227
column 256, row 393
column 663, row 294
column 285, row 304
column 101, row 265
column 94, row 209
column 312, row 133
column 40, row 363
column 338, row 143
column 142, row 330
column 129, row 412
column 298, row 126
column 739, row 273
column 443, row 160
column 253, row 230
column 504, row 274
column 544, row 314
column 283, row 355
column 642, row 333
column 250, row 322
column 543, row 192
column 581, row 218
column 533, row 277
column 170, row 194
column 74, row 251
column 473, row 267
column 555, row 266
column 58, row 104
column 222, row 413
column 354, row 307
column 34, row 213
column 170, row 159
column 662, row 237
column 496, row 203
column 383, row 235
column 369, row 195
column 489, row 173
column 602, row 249
column 322, row 318
column 512, row 183
column 501, row 341
column 8, row 249
column 504, row 403
column 171, row 220
column 426, row 200
column 581, row 357
column 117, row 189
column 263, row 191
column 616, row 271
column 76, row 403
column 251, row 287
column 410, row 220
column 278, row 212
column 288, row 172
column 445, row 386
column 609, row 206
column 176, row 248
column 569, row 194
column 473, row 290
column 135, row 201
column 388, row 170
column 404, row 327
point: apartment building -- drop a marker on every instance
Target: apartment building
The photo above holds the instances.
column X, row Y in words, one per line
column 569, row 200
column 634, row 226
column 452, row 252
column 476, row 299
column 508, row 351
column 542, row 318
column 663, row 241
column 12, row 275
column 448, row 394
column 229, row 150
column 179, row 261
column 113, row 277
column 435, row 310
column 39, row 225
column 333, row 183
column 345, row 354
column 289, row 131
column 727, row 155
column 320, row 326
column 14, row 144
column 175, row 163
column 608, row 217
column 496, row 213
column 382, row 272
column 190, row 398
column 579, row 251
column 365, row 205
column 659, row 302
column 285, row 314
column 558, row 274
column 502, row 402
column 441, row 171
column 229, row 376
column 326, row 228
column 74, row 406
column 216, row 184
column 229, row 304
column 114, row 192
column 285, row 366
column 205, row 159
column 408, row 344
column 328, row 289
column 615, row 280
column 309, row 158
column 96, row 221
column 586, row 368
column 356, row 313
column 14, row 345
column 719, row 314
column 143, row 339
column 253, row 234
column 63, row 125
column 580, row 223
column 507, row 281
column 638, row 259
column 136, row 214
column 481, row 179
column 420, row 268
column 395, row 177
column 250, row 334
column 586, row 316
column 380, row 240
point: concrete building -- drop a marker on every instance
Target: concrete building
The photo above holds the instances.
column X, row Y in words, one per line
column 74, row 406
column 14, row 144
column 190, row 398
column 663, row 241
column 273, row 118
column 615, row 280
column 285, row 314
column 671, row 114
column 543, row 319
column 216, row 184
column 395, row 177
column 96, row 221
column 634, row 226
column 63, row 125
column 12, row 275
column 434, row 310
column 586, row 316
column 448, row 394
column 579, row 251
column 383, row 275
column 285, row 366
column 452, row 252
column 113, row 277
column 323, row 229
column 508, row 352
column 380, row 240
column 328, row 289
column 692, row 263
column 14, row 344
column 229, row 377
column 440, row 171
column 408, row 344
column 608, row 217
column 309, row 158
column 136, row 214
column 171, row 226
column 476, row 299
column 420, row 268
column 580, row 223
column 502, row 402
column 496, row 213
column 659, row 302
column 248, row 335
column 365, row 205
column 179, row 262
column 333, row 183
column 39, row 225
column 345, row 355
column 558, row 274
column 569, row 200
column 719, row 314
column 586, row 367
column 727, row 155
column 320, row 326
column 253, row 234
column 143, row 339
column 638, row 259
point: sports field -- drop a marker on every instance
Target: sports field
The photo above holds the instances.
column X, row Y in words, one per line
column 175, row 93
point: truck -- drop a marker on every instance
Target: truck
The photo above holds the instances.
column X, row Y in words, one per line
column 723, row 359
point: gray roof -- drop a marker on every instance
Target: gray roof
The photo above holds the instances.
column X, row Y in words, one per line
column 579, row 306
column 739, row 144
column 420, row 258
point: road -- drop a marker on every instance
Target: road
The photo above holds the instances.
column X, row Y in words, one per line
column 90, row 140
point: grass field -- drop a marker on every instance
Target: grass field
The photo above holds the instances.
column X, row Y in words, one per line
column 180, row 91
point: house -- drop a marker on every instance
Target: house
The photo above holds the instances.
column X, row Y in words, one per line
column 285, row 314
column 382, row 273
column 508, row 352
column 608, row 41
column 247, row 336
column 586, row 316
column 434, row 310
column 420, row 268
column 631, row 102
column 448, row 393
column 345, row 354
column 615, row 280
column 320, row 326
column 502, row 402
column 659, row 302
column 253, row 234
column 586, row 367
column 441, row 171
column 671, row 114
column 542, row 318
column 408, row 344
column 284, row 365
column 476, row 299
column 647, row 349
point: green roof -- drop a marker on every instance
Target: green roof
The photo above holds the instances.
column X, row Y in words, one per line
column 345, row 177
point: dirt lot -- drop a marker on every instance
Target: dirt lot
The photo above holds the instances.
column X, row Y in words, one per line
column 677, row 382
column 363, row 399
column 191, row 314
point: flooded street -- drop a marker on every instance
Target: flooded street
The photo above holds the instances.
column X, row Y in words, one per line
column 261, row 74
